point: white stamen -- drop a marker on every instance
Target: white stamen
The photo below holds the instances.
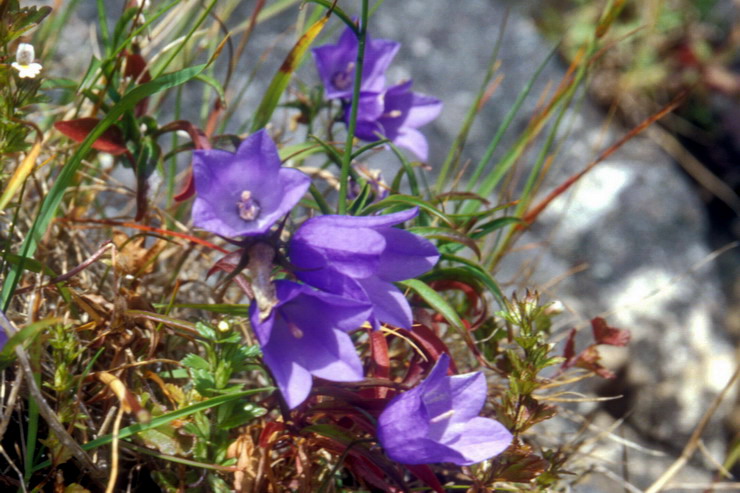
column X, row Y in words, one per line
column 295, row 331
column 442, row 416
column 249, row 208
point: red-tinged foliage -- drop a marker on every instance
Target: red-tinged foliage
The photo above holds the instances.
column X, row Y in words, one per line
column 603, row 334
column 187, row 190
column 265, row 438
column 589, row 358
column 477, row 305
column 517, row 464
column 428, row 341
column 200, row 141
column 381, row 363
column 366, row 471
column 112, row 140
column 136, row 68
column 426, row 474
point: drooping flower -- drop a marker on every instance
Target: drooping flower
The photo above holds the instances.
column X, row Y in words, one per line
column 244, row 193
column 437, row 421
column 360, row 257
column 336, row 64
column 24, row 61
column 396, row 115
column 306, row 335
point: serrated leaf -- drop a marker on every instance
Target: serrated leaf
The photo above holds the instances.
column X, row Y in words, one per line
column 195, row 362
column 206, row 331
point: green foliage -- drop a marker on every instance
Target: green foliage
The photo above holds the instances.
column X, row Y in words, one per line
column 145, row 325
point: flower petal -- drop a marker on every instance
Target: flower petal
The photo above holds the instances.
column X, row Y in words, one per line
column 407, row 255
column 481, row 439
column 389, row 304
column 354, row 252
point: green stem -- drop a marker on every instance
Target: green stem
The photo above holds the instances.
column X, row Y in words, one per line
column 347, row 158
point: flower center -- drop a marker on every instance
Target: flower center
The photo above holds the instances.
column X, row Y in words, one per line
column 249, row 208
column 442, row 416
column 342, row 80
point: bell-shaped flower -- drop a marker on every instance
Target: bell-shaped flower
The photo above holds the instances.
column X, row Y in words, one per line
column 396, row 115
column 244, row 193
column 336, row 64
column 437, row 421
column 305, row 335
column 360, row 257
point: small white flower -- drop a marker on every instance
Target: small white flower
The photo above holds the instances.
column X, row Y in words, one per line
column 24, row 63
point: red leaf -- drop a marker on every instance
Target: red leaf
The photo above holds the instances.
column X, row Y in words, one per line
column 603, row 334
column 589, row 359
column 430, row 342
column 381, row 362
column 266, row 435
column 426, row 474
column 111, row 141
column 188, row 190
column 570, row 348
column 136, row 68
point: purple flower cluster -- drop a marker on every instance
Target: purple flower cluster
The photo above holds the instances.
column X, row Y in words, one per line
column 345, row 267
column 392, row 112
column 347, row 264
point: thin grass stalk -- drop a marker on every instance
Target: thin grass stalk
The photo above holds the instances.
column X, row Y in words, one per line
column 347, row 157
column 453, row 156
column 184, row 42
column 493, row 179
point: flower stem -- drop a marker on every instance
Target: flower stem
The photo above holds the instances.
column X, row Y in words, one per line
column 347, row 157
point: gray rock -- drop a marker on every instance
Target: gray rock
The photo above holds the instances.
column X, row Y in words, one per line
column 634, row 222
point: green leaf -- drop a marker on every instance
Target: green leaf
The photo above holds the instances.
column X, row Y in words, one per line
column 206, row 331
column 395, row 200
column 24, row 336
column 195, row 362
column 242, row 416
column 215, row 84
column 166, row 419
column 435, row 301
column 479, row 273
column 25, row 19
column 282, row 77
column 447, row 235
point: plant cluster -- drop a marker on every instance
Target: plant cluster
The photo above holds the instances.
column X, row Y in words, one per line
column 274, row 316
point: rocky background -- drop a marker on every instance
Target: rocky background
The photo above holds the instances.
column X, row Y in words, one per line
column 632, row 242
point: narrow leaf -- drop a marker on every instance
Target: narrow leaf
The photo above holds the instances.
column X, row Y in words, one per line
column 282, row 77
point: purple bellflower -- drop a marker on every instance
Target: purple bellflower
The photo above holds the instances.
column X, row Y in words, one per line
column 336, row 64
column 360, row 257
column 244, row 193
column 396, row 114
column 305, row 334
column 437, row 421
